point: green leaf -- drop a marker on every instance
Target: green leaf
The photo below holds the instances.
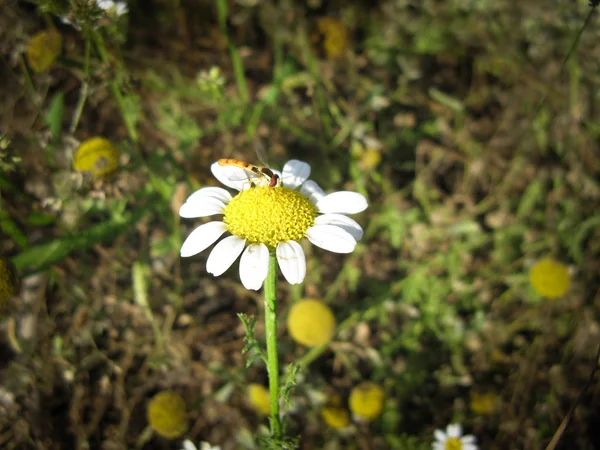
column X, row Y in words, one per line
column 11, row 229
column 446, row 100
column 40, row 257
column 40, row 219
column 533, row 193
column 55, row 114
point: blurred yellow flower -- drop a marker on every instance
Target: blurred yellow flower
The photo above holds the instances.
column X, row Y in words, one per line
column 8, row 283
column 98, row 156
column 259, row 398
column 43, row 49
column 366, row 401
column 167, row 414
column 311, row 323
column 370, row 159
column 550, row 278
column 334, row 414
column 335, row 39
column 484, row 403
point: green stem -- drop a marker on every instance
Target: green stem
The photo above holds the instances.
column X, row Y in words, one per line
column 312, row 354
column 84, row 88
column 129, row 124
column 271, row 334
column 236, row 59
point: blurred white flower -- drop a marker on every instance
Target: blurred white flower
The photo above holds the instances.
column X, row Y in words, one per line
column 453, row 439
column 189, row 445
column 116, row 8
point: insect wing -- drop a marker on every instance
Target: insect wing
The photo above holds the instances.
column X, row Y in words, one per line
column 261, row 153
column 237, row 174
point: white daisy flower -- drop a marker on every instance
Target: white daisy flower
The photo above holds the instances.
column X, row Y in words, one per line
column 272, row 212
column 118, row 8
column 453, row 439
column 189, row 445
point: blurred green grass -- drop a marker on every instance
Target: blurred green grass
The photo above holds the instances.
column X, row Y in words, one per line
column 486, row 159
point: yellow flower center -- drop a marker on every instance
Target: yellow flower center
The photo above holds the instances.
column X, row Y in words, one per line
column 453, row 444
column 269, row 215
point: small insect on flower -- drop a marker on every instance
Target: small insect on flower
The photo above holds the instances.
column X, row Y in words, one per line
column 271, row 213
column 260, row 175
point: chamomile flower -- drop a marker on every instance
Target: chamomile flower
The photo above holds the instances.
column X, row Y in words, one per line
column 453, row 439
column 269, row 214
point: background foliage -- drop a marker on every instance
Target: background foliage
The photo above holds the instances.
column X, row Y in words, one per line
column 472, row 128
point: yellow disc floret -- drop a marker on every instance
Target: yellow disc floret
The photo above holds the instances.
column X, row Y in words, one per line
column 453, row 444
column 311, row 323
column 550, row 278
column 167, row 414
column 366, row 400
column 269, row 215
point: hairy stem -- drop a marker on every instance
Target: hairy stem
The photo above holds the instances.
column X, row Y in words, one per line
column 271, row 335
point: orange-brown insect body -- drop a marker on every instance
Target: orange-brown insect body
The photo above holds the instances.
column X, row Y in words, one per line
column 253, row 171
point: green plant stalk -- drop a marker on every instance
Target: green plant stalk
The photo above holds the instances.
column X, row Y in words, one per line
column 85, row 87
column 236, row 60
column 131, row 131
column 271, row 335
column 311, row 355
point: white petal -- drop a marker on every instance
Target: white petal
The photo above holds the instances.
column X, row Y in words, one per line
column 231, row 176
column 202, row 238
column 454, row 430
column 439, row 435
column 224, row 254
column 470, row 447
column 210, row 192
column 468, row 439
column 254, row 266
column 188, row 445
column 345, row 202
column 206, row 446
column 332, row 238
column 312, row 191
column 295, row 173
column 292, row 261
column 438, row 446
column 201, row 206
column 341, row 221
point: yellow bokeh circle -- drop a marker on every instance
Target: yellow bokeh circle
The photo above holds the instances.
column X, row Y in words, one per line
column 98, row 156
column 366, row 400
column 550, row 278
column 167, row 414
column 259, row 398
column 43, row 49
column 311, row 322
